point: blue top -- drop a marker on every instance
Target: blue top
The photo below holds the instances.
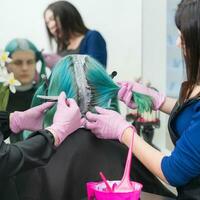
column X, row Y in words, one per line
column 184, row 162
column 94, row 45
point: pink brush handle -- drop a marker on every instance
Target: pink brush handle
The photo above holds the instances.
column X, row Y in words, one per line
column 125, row 183
column 105, row 181
column 126, row 175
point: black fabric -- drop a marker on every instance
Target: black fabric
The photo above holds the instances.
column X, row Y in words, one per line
column 19, row 157
column 79, row 159
column 19, row 101
column 27, row 185
column 190, row 191
column 4, row 124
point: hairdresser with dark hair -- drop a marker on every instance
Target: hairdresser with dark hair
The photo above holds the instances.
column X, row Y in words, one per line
column 65, row 25
column 182, row 168
column 38, row 148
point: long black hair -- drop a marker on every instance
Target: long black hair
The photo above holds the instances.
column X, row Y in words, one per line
column 187, row 20
column 70, row 21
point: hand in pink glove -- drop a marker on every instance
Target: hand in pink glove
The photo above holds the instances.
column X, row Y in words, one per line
column 31, row 119
column 108, row 124
column 125, row 94
column 51, row 59
column 66, row 120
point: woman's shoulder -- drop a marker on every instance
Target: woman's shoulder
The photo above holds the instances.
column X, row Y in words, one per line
column 196, row 111
column 192, row 103
column 191, row 110
column 93, row 33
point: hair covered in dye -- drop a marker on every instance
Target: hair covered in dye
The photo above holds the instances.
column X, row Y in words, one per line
column 63, row 78
column 103, row 89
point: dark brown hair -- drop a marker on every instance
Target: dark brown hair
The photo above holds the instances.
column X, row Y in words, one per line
column 70, row 20
column 187, row 20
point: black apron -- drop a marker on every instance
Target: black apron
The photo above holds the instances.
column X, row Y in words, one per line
column 80, row 158
column 190, row 191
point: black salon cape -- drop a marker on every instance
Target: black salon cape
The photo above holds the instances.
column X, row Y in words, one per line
column 15, row 159
column 80, row 158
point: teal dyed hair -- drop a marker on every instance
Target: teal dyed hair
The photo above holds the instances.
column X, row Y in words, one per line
column 103, row 89
column 22, row 44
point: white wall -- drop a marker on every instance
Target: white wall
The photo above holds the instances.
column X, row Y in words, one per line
column 118, row 21
column 154, row 54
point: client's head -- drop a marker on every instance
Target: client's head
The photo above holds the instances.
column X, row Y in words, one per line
column 82, row 78
column 25, row 56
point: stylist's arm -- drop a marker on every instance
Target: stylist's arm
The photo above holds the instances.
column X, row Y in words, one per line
column 39, row 147
column 108, row 124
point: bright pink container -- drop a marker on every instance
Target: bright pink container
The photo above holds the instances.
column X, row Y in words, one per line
column 97, row 191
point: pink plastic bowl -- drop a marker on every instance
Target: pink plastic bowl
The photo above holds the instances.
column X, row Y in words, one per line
column 97, row 191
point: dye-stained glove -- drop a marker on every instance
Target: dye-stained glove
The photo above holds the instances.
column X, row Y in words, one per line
column 31, row 119
column 125, row 94
column 108, row 124
column 66, row 120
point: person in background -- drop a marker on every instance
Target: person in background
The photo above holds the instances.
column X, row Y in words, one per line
column 182, row 168
column 25, row 56
column 65, row 25
column 39, row 147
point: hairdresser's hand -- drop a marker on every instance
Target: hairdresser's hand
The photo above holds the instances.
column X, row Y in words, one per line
column 108, row 124
column 31, row 119
column 67, row 119
column 51, row 59
column 125, row 94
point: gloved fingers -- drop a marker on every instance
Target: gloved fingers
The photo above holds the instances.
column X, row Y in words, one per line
column 91, row 116
column 90, row 125
column 45, row 106
column 40, row 109
column 138, row 87
column 127, row 97
column 102, row 110
column 125, row 86
column 83, row 122
column 96, row 133
column 62, row 99
column 71, row 103
column 121, row 93
column 62, row 95
column 129, row 86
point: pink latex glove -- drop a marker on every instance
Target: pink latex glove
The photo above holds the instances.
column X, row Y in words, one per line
column 31, row 119
column 66, row 120
column 125, row 94
column 108, row 124
column 51, row 59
